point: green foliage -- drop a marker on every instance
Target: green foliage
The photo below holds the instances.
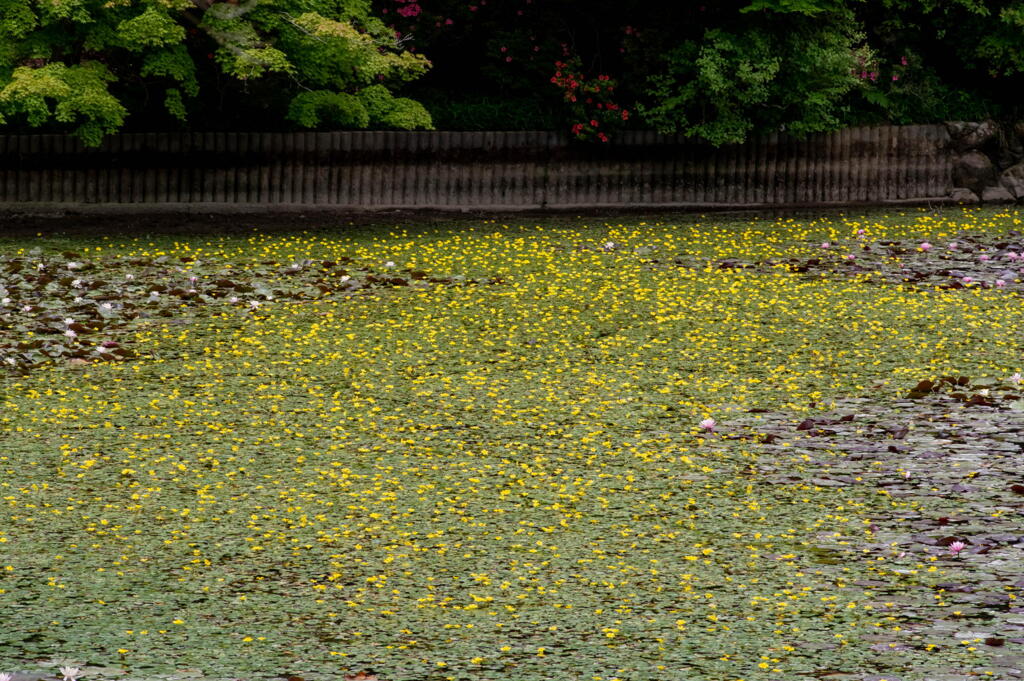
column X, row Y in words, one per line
column 732, row 84
column 807, row 7
column 175, row 104
column 68, row 94
column 94, row 62
column 407, row 114
column 174, row 63
column 16, row 18
column 725, row 70
column 311, row 109
column 394, row 112
column 371, row 106
column 153, row 28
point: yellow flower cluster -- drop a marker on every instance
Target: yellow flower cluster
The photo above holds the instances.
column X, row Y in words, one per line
column 492, row 481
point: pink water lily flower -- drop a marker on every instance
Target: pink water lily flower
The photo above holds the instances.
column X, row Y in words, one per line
column 925, row 246
column 708, row 425
column 952, row 245
column 956, row 547
column 825, row 244
column 967, row 280
column 1000, row 283
column 1016, row 378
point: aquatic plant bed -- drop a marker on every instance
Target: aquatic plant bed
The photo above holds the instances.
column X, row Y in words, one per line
column 604, row 449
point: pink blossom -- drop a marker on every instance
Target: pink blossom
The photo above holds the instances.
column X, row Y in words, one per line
column 1016, row 378
column 967, row 280
column 708, row 425
column 925, row 246
column 983, row 258
column 1000, row 283
column 952, row 245
column 956, row 547
column 825, row 244
column 410, row 10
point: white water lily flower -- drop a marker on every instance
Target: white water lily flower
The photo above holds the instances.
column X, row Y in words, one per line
column 106, row 306
column 69, row 321
column 74, row 265
column 129, row 276
column 26, row 308
column 389, row 263
column 233, row 299
column 70, row 673
column 76, row 283
column 344, row 278
column 70, row 333
column 5, row 676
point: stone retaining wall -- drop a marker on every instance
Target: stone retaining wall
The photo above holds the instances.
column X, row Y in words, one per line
column 508, row 170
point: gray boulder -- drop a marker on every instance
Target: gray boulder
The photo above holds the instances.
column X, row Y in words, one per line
column 967, row 136
column 1013, row 180
column 963, row 195
column 996, row 194
column 975, row 171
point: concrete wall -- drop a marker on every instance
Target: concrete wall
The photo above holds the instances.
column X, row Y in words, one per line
column 473, row 170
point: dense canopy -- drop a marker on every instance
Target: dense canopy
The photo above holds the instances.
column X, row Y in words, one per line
column 717, row 72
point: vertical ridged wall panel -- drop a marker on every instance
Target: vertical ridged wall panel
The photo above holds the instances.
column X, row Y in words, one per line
column 477, row 169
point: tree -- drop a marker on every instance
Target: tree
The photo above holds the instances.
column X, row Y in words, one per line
column 91, row 63
column 773, row 65
column 716, row 71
